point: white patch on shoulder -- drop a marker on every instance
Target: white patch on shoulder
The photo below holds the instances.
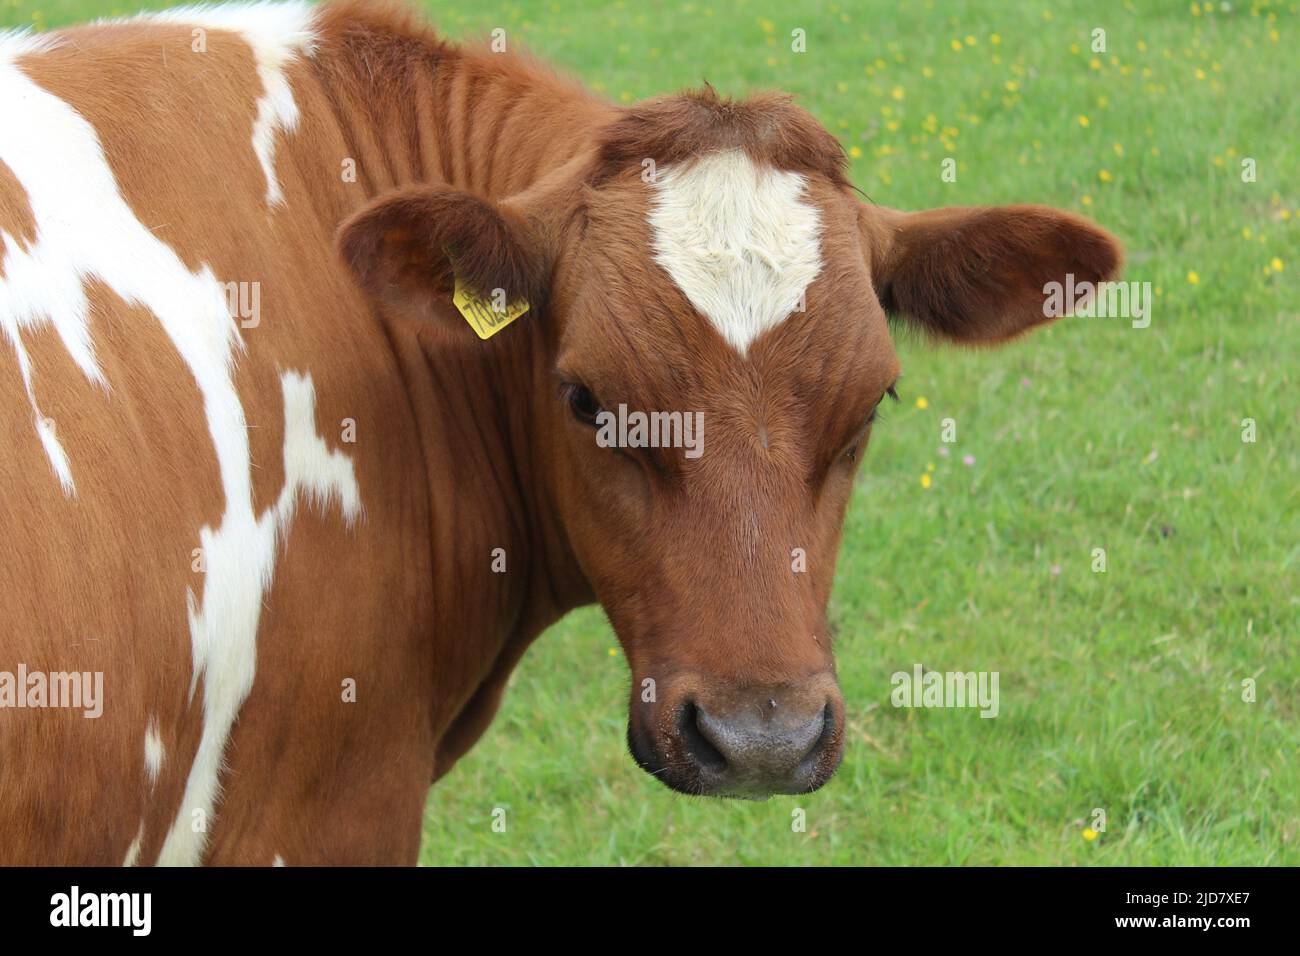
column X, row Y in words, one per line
column 278, row 34
column 133, row 851
column 312, row 470
column 85, row 230
column 738, row 239
column 154, row 751
column 278, row 861
column 40, row 283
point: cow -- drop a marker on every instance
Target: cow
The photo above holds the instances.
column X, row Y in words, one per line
column 312, row 321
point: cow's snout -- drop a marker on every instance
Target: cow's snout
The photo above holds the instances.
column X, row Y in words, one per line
column 752, row 742
column 759, row 747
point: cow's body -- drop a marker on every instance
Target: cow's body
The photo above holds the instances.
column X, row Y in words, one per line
column 141, row 423
column 306, row 543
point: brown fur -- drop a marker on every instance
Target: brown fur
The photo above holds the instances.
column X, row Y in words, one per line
column 406, row 243
column 976, row 275
column 675, row 129
column 531, row 185
column 15, row 213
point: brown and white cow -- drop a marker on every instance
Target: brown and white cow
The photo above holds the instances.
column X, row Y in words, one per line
column 261, row 475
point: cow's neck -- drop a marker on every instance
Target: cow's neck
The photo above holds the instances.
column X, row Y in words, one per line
column 414, row 109
column 410, row 110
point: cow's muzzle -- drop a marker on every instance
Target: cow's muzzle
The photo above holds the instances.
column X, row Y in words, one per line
column 751, row 743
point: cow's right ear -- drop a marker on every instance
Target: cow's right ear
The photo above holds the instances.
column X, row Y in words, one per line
column 978, row 275
column 410, row 246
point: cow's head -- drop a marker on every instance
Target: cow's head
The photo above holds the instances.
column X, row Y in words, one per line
column 709, row 258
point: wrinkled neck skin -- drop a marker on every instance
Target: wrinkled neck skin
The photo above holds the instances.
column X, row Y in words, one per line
column 469, row 119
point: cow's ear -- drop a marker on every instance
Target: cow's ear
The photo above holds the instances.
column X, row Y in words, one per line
column 410, row 247
column 976, row 275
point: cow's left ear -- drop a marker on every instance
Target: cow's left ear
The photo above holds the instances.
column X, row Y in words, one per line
column 411, row 245
column 976, row 275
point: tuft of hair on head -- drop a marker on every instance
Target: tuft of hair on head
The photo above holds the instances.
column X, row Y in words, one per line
column 770, row 128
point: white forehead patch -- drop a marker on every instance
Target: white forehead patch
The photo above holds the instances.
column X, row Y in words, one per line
column 738, row 239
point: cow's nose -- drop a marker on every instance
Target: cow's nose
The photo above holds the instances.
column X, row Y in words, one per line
column 760, row 750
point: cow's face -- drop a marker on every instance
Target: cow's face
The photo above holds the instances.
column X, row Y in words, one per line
column 715, row 354
column 734, row 300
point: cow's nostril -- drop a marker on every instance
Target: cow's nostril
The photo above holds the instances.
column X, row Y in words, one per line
column 814, row 754
column 753, row 750
column 697, row 746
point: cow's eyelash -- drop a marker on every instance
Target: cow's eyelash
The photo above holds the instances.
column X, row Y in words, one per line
column 852, row 453
column 875, row 415
column 583, row 404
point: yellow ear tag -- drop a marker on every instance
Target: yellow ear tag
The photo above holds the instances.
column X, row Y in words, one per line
column 485, row 316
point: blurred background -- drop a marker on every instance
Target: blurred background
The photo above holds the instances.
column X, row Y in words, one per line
column 1120, row 691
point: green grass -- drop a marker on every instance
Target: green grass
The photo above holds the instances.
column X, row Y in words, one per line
column 1119, row 690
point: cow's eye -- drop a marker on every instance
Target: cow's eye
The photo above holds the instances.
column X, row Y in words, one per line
column 582, row 403
column 851, row 453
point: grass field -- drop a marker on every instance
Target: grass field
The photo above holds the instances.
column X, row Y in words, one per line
column 1119, row 690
